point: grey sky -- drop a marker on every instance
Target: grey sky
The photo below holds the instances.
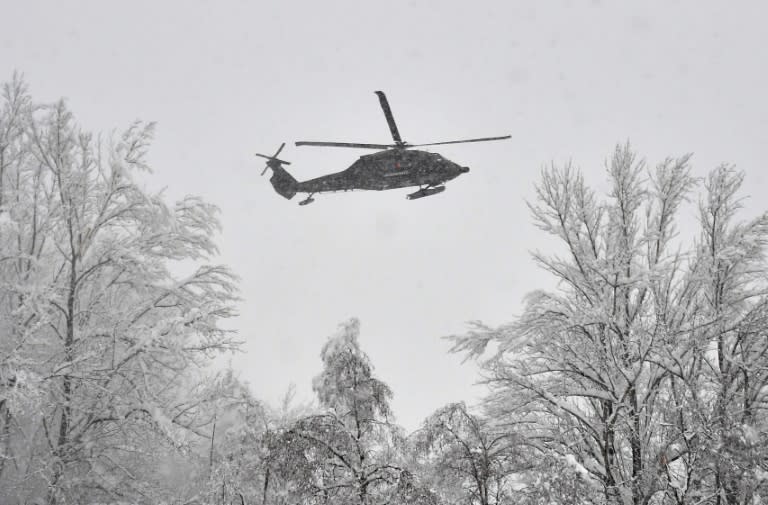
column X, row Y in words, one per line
column 226, row 79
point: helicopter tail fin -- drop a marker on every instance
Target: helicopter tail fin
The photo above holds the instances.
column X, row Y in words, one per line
column 283, row 182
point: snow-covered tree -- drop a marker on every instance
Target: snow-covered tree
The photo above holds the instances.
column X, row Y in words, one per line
column 647, row 362
column 247, row 457
column 472, row 460
column 98, row 331
column 16, row 386
column 350, row 451
column 730, row 357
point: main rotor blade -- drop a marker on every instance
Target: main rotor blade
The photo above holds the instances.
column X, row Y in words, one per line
column 461, row 141
column 345, row 144
column 390, row 119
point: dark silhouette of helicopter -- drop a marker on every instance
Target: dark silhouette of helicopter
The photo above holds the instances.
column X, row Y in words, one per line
column 394, row 166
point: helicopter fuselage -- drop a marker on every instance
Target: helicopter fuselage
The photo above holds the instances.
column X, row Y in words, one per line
column 391, row 169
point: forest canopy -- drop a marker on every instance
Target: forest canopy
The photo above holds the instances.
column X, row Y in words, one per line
column 641, row 378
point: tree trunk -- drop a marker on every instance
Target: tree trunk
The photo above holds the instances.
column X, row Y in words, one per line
column 611, row 493
column 266, row 486
column 60, row 451
column 636, row 446
column 5, row 436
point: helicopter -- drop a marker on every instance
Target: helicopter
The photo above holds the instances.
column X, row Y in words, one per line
column 394, row 166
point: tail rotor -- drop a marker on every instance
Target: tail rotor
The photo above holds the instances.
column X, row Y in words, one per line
column 273, row 161
column 283, row 182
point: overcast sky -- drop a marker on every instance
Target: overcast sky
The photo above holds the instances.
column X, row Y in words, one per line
column 226, row 79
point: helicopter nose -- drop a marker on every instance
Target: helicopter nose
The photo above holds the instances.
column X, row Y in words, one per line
column 464, row 170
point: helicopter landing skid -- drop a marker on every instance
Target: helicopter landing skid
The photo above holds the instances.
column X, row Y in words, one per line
column 426, row 192
column 307, row 201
